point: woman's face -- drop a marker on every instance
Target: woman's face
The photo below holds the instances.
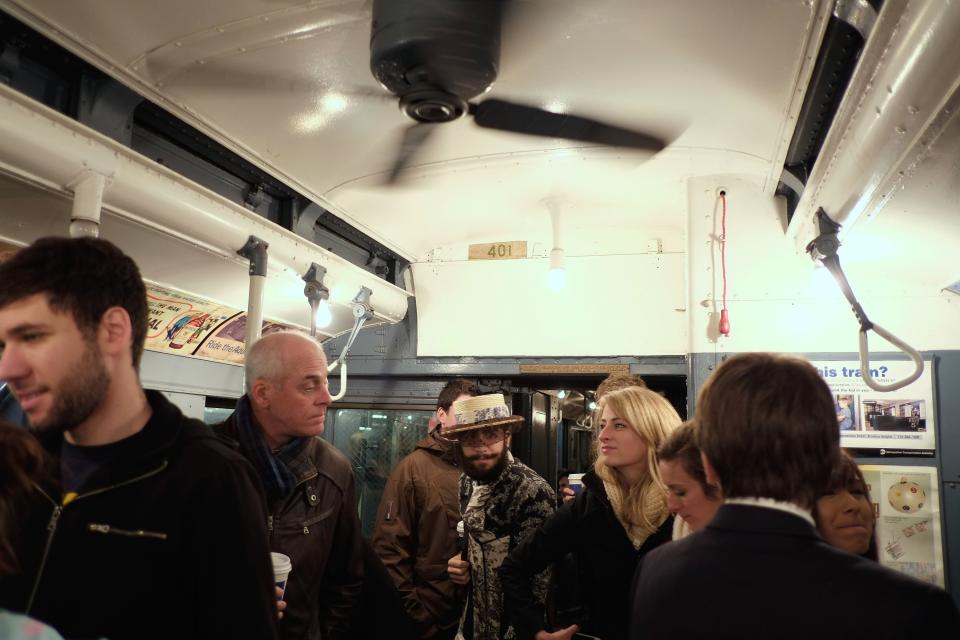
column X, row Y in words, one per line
column 621, row 447
column 845, row 518
column 685, row 496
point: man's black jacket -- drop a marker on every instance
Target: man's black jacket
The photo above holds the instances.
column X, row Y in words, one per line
column 168, row 542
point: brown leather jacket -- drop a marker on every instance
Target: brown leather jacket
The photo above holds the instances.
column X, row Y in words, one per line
column 317, row 526
column 416, row 533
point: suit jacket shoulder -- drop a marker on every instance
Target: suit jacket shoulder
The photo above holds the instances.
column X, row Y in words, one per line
column 796, row 585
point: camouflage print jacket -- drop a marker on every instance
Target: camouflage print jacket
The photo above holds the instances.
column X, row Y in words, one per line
column 497, row 516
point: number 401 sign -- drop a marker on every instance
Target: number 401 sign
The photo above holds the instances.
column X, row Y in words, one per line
column 498, row 250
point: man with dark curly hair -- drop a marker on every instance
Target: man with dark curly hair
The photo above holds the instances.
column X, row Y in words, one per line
column 150, row 525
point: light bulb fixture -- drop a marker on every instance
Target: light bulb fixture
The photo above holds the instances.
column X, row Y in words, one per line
column 562, row 394
column 324, row 315
column 557, row 275
column 592, row 406
column 318, row 296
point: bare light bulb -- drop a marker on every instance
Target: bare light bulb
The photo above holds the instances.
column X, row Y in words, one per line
column 557, row 279
column 557, row 276
column 324, row 316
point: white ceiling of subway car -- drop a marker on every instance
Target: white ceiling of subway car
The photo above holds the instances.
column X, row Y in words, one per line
column 288, row 85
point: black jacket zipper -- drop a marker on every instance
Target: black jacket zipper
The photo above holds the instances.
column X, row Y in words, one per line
column 55, row 517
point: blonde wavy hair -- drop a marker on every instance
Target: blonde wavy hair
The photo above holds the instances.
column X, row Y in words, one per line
column 640, row 508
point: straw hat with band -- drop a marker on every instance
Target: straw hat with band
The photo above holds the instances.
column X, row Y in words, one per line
column 481, row 412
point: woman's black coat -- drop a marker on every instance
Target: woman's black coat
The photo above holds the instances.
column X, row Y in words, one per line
column 605, row 563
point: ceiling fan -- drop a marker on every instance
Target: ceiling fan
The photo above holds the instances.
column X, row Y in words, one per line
column 437, row 55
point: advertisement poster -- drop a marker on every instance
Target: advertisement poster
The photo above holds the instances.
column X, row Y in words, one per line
column 893, row 423
column 182, row 324
column 226, row 342
column 907, row 507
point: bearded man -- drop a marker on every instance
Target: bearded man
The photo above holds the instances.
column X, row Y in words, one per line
column 149, row 526
column 502, row 501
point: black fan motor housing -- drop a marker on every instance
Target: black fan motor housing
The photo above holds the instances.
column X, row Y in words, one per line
column 450, row 45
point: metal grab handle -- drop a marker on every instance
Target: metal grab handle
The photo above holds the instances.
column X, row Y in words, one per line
column 343, row 381
column 824, row 248
column 342, row 360
column 362, row 311
column 585, row 422
column 898, row 343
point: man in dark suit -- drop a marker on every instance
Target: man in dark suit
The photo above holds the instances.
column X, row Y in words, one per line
column 767, row 430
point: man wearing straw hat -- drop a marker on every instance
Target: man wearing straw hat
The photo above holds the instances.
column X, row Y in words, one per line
column 502, row 501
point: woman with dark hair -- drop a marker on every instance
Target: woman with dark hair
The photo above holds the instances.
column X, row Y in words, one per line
column 21, row 462
column 619, row 516
column 689, row 496
column 844, row 515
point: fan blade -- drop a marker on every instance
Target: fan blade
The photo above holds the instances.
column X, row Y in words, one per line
column 371, row 94
column 507, row 116
column 413, row 139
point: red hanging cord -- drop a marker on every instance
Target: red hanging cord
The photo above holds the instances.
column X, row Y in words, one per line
column 724, row 317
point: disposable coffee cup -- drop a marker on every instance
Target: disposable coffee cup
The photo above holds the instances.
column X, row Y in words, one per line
column 281, row 571
column 576, row 482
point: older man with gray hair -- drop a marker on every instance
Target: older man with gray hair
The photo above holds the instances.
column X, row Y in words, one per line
column 311, row 494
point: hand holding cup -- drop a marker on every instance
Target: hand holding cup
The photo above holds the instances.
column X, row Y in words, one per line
column 281, row 571
column 459, row 570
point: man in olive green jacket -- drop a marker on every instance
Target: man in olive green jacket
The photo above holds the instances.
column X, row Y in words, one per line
column 416, row 532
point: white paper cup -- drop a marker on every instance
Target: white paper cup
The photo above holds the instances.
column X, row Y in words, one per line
column 281, row 570
column 576, row 482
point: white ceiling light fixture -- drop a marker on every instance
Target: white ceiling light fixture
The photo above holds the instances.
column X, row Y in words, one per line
column 324, row 315
column 557, row 275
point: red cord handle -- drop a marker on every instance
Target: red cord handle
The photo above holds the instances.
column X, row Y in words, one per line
column 724, row 315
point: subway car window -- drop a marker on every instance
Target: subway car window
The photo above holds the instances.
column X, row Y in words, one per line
column 375, row 440
column 216, row 410
column 216, row 415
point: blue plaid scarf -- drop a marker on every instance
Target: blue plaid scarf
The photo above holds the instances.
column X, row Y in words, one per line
column 272, row 466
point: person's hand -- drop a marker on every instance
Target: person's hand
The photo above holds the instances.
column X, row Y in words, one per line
column 568, row 495
column 563, row 634
column 281, row 605
column 459, row 570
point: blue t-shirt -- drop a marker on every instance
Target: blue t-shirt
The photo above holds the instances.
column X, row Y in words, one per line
column 78, row 464
column 847, row 423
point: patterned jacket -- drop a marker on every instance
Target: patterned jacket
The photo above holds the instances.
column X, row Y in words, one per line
column 497, row 516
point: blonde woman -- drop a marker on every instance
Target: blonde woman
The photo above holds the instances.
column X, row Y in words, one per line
column 619, row 516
